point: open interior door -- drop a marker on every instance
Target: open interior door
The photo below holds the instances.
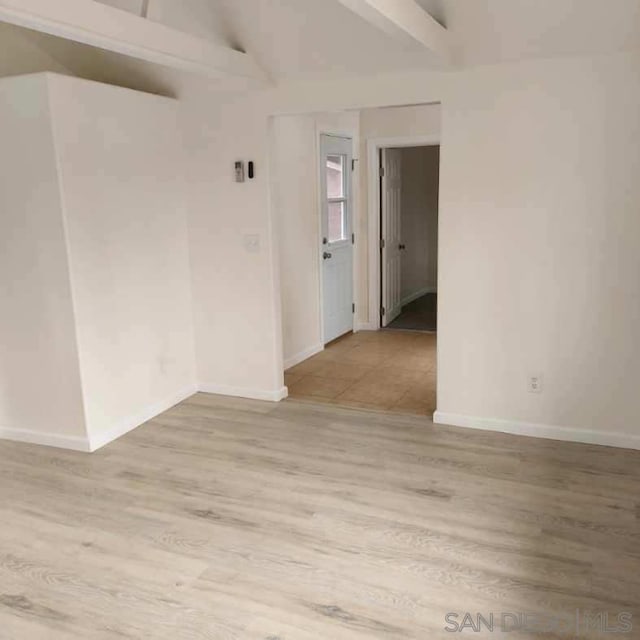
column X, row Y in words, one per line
column 391, row 253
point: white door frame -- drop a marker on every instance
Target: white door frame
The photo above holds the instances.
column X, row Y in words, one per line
column 323, row 131
column 374, row 145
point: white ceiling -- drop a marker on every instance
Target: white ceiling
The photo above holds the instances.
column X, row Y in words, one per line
column 295, row 38
column 488, row 31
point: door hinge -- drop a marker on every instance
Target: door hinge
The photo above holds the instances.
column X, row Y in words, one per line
column 353, row 308
column 353, row 238
column 353, row 164
column 382, row 172
column 383, row 311
column 382, row 244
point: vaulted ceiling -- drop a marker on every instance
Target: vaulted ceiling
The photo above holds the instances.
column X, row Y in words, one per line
column 292, row 39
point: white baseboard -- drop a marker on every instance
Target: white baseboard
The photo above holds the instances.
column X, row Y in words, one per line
column 366, row 326
column 418, row 294
column 302, row 356
column 567, row 434
column 99, row 440
column 74, row 443
column 242, row 392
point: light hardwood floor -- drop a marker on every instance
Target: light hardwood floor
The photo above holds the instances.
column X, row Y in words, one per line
column 233, row 519
column 388, row 370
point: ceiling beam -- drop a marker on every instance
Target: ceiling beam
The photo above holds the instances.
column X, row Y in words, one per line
column 405, row 20
column 105, row 27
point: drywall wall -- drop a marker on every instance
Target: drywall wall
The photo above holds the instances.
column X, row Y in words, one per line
column 391, row 123
column 536, row 231
column 294, row 191
column 539, row 257
column 419, row 220
column 40, row 390
column 233, row 252
column 294, row 176
column 121, row 170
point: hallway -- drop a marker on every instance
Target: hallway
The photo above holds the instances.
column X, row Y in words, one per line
column 380, row 370
column 419, row 315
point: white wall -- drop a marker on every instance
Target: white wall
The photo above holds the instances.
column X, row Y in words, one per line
column 295, row 201
column 537, row 239
column 235, row 287
column 539, row 256
column 40, row 391
column 295, row 210
column 419, row 220
column 120, row 162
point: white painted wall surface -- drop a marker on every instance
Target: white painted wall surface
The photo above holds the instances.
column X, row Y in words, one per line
column 40, row 391
column 419, row 220
column 121, row 169
column 295, row 211
column 539, row 256
column 236, row 289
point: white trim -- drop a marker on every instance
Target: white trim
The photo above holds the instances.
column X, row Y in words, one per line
column 74, row 443
column 373, row 204
column 130, row 423
column 243, row 392
column 302, row 356
column 366, row 326
column 418, row 294
column 533, row 430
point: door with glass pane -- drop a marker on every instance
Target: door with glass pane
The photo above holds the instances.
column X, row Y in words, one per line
column 336, row 249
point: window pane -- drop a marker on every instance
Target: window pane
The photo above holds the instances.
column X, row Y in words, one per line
column 335, row 176
column 337, row 223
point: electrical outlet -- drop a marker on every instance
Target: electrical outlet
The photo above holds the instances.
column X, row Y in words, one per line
column 535, row 383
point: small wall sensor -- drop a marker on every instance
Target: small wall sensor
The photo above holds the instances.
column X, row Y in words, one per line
column 251, row 170
column 239, row 171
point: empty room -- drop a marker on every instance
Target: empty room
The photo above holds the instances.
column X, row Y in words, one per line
column 319, row 319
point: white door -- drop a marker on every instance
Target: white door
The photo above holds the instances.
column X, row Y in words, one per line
column 391, row 235
column 336, row 248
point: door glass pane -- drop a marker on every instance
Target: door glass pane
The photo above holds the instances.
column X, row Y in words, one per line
column 337, row 222
column 335, row 176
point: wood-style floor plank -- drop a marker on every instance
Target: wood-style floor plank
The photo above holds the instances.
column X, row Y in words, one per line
column 234, row 519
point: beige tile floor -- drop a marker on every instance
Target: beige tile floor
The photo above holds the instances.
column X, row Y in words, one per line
column 384, row 370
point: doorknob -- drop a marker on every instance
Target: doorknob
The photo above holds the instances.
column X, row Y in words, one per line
column 402, row 247
column 326, row 255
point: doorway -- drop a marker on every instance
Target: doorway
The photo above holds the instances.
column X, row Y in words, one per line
column 336, row 250
column 408, row 241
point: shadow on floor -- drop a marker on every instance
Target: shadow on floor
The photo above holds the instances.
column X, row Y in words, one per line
column 419, row 315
